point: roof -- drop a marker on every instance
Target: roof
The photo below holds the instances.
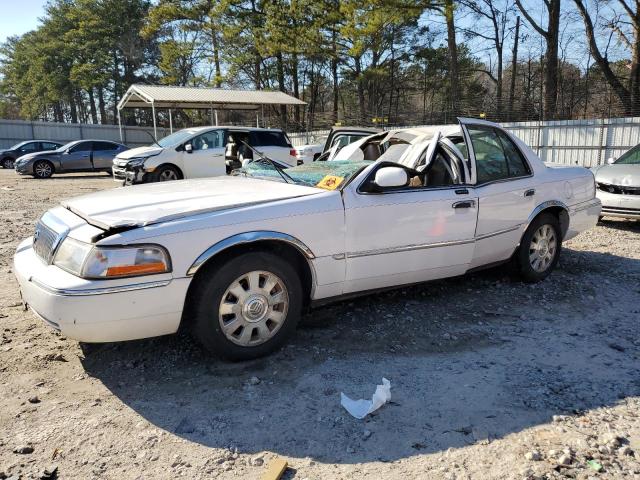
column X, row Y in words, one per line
column 192, row 97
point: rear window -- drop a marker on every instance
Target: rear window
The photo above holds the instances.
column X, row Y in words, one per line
column 270, row 139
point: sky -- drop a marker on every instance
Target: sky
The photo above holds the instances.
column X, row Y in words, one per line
column 19, row 16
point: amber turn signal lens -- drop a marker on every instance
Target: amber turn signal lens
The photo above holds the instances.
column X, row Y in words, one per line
column 144, row 269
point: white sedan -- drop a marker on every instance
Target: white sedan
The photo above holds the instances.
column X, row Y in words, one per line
column 237, row 259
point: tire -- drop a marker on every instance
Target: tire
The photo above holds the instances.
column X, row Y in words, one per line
column 167, row 173
column 8, row 162
column 42, row 169
column 540, row 248
column 256, row 321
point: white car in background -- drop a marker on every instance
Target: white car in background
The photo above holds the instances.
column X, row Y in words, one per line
column 235, row 259
column 201, row 152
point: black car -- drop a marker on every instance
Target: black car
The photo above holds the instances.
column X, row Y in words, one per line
column 9, row 156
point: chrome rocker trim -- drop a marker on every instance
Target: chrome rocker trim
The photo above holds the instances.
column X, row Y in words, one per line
column 245, row 238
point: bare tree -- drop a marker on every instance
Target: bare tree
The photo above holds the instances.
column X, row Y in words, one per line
column 551, row 35
column 628, row 95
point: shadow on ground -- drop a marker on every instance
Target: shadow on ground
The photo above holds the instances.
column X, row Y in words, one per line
column 468, row 358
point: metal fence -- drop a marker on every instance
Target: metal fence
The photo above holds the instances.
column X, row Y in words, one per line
column 572, row 142
column 15, row 131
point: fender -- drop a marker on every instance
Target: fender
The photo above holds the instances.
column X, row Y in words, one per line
column 564, row 219
column 246, row 238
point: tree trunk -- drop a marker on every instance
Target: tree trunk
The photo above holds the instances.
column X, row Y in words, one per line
column 453, row 56
column 72, row 107
column 281, row 87
column 92, row 106
column 499, row 81
column 257, row 69
column 296, row 86
column 361, row 105
column 551, row 57
column 101, row 106
column 334, row 75
column 514, row 67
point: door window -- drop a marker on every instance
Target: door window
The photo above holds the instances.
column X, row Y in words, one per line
column 49, row 146
column 29, row 147
column 104, row 146
column 81, row 147
column 497, row 158
column 208, row 140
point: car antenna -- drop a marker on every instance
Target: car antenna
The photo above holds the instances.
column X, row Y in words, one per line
column 153, row 138
column 274, row 164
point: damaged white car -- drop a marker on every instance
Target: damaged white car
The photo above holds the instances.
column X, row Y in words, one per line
column 237, row 259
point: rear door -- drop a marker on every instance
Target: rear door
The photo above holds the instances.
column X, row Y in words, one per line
column 505, row 187
column 77, row 158
column 103, row 153
column 206, row 158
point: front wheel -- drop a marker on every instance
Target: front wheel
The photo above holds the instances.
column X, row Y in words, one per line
column 166, row 174
column 8, row 163
column 540, row 247
column 248, row 306
column 42, row 169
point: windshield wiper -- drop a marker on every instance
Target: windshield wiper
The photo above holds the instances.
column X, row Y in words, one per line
column 274, row 164
column 153, row 138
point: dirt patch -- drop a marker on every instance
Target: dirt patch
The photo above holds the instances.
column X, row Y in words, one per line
column 479, row 366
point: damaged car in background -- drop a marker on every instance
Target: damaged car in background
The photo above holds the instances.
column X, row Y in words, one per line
column 618, row 185
column 237, row 259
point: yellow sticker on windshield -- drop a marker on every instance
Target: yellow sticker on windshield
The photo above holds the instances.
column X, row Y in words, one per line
column 330, row 182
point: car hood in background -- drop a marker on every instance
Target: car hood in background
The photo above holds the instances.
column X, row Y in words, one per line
column 140, row 152
column 147, row 204
column 623, row 175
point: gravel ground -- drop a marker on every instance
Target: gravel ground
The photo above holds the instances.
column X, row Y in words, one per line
column 490, row 378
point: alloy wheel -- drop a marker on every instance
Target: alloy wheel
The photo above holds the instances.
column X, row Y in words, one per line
column 43, row 169
column 167, row 175
column 253, row 308
column 543, row 248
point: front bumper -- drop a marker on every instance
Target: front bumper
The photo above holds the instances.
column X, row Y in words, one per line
column 99, row 310
column 129, row 176
column 621, row 206
column 24, row 169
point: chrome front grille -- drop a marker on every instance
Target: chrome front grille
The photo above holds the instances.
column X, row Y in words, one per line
column 47, row 237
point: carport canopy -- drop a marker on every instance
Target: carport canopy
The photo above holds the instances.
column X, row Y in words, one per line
column 159, row 96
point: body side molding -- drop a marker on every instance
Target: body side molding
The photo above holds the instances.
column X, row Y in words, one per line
column 247, row 238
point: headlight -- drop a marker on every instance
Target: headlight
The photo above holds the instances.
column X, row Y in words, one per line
column 88, row 261
column 136, row 162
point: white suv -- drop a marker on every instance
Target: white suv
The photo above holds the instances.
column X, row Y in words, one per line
column 201, row 152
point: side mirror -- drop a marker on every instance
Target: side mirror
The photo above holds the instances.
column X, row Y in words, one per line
column 611, row 160
column 188, row 148
column 391, row 177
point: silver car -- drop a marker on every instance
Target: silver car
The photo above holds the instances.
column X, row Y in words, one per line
column 618, row 185
column 78, row 156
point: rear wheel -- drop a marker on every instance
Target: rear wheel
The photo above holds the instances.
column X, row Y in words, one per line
column 42, row 169
column 540, row 247
column 248, row 306
column 8, row 162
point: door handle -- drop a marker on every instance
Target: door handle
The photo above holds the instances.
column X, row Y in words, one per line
column 464, row 204
column 530, row 193
column 85, row 156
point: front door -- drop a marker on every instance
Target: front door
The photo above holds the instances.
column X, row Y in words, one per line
column 206, row 158
column 77, row 158
column 506, row 191
column 407, row 235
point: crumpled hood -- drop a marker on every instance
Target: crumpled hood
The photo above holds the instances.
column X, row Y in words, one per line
column 147, row 204
column 140, row 152
column 623, row 175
